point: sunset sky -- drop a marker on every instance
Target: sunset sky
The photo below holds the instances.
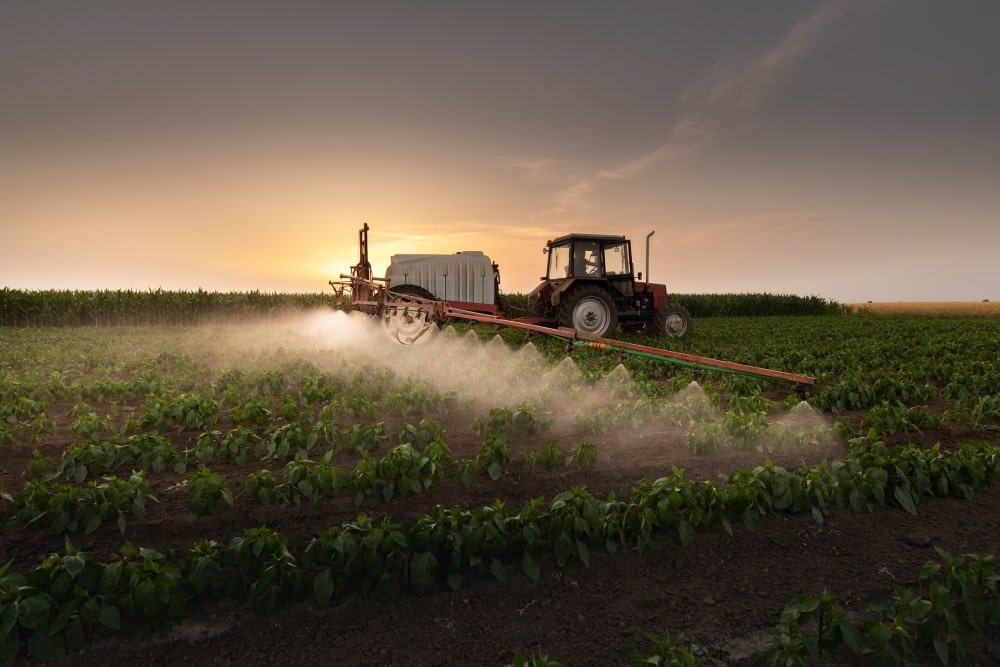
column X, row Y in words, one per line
column 845, row 149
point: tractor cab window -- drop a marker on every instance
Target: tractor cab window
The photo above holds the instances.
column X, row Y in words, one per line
column 616, row 260
column 559, row 264
column 588, row 259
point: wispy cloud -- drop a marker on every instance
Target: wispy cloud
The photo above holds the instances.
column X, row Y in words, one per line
column 707, row 108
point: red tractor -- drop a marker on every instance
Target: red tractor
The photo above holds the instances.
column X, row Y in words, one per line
column 590, row 286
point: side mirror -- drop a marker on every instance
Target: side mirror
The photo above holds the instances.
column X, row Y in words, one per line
column 640, row 276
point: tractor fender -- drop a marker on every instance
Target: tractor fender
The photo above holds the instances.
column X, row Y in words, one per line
column 555, row 298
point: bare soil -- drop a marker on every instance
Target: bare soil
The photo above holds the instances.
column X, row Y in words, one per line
column 722, row 592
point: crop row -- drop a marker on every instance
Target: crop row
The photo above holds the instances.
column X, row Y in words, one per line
column 861, row 362
column 52, row 609
column 956, row 596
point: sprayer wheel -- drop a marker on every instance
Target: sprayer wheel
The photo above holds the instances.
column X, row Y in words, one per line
column 589, row 308
column 409, row 325
column 673, row 320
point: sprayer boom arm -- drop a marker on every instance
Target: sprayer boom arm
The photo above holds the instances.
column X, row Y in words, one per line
column 584, row 340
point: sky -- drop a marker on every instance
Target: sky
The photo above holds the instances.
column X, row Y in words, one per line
column 847, row 149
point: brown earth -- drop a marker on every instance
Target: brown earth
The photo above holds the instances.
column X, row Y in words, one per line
column 721, row 592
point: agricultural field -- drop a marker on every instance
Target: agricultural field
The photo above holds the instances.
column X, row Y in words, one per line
column 299, row 490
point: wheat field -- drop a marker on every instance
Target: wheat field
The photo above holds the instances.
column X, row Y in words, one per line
column 930, row 308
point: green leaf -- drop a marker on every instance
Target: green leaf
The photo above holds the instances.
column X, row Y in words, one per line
column 387, row 589
column 852, row 636
column 563, row 548
column 905, row 499
column 817, row 515
column 44, row 647
column 454, row 581
column 422, row 568
column 8, row 616
column 33, row 612
column 498, row 570
column 74, row 635
column 531, row 566
column 941, row 648
column 110, row 617
column 74, row 565
column 323, row 587
column 583, row 552
column 686, row 532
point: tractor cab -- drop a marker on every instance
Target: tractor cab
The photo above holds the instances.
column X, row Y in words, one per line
column 590, row 285
column 590, row 257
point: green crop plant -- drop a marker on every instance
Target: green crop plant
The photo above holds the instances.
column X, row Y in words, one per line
column 270, row 573
column 24, row 418
column 584, row 455
column 527, row 462
column 603, row 420
column 364, row 480
column 297, row 483
column 330, row 481
column 153, row 452
column 357, row 405
column 577, row 521
column 363, row 438
column 270, row 382
column 889, row 418
column 285, row 441
column 205, row 490
column 315, row 389
column 51, row 610
column 708, row 437
column 69, row 508
column 208, row 570
column 205, row 448
column 745, row 429
column 260, row 486
column 421, row 434
column 40, row 467
column 92, row 427
column 493, row 455
column 671, row 651
column 146, row 585
column 324, row 437
column 236, row 445
column 182, row 412
column 552, row 456
column 90, row 459
column 982, row 413
column 465, row 470
column 511, row 425
column 402, row 472
column 256, row 412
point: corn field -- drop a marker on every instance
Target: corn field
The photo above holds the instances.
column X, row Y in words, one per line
column 110, row 308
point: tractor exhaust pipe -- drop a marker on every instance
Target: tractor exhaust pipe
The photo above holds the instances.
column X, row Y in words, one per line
column 647, row 253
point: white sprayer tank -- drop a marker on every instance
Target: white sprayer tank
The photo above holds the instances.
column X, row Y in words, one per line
column 465, row 276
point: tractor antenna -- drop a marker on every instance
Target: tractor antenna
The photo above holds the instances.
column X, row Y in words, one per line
column 647, row 253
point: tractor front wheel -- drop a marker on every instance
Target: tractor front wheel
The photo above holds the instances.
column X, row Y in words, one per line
column 590, row 309
column 673, row 320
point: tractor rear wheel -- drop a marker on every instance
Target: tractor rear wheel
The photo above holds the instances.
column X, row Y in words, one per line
column 673, row 320
column 591, row 309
